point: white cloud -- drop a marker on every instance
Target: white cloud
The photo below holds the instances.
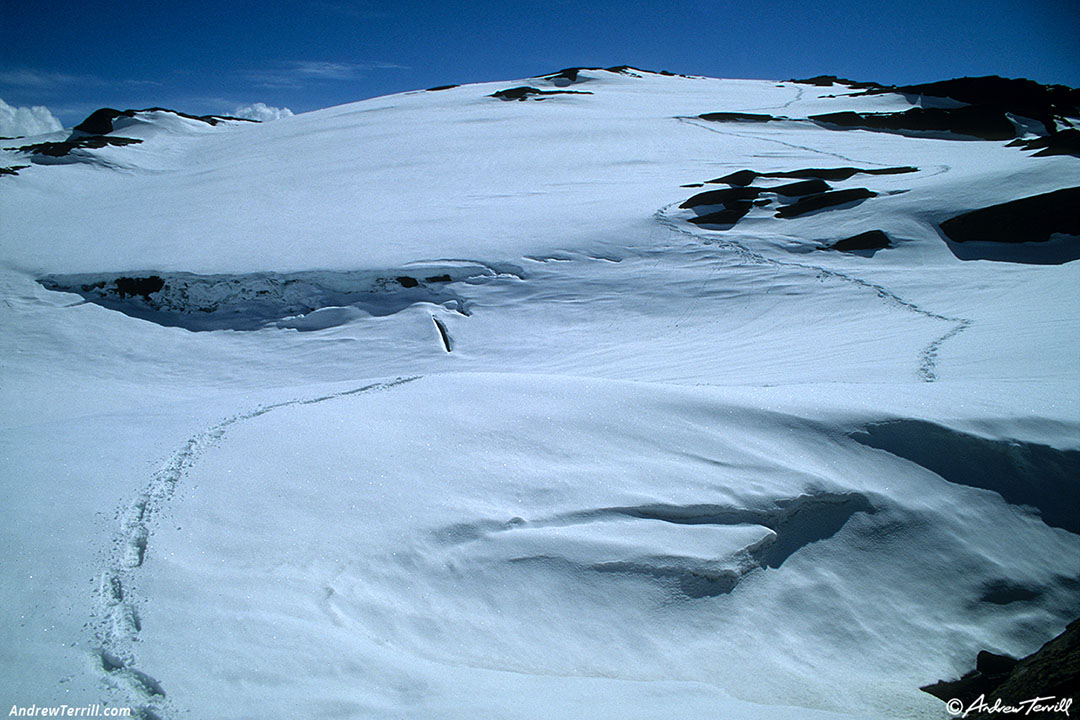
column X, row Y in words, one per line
column 16, row 121
column 299, row 72
column 42, row 79
column 25, row 77
column 261, row 112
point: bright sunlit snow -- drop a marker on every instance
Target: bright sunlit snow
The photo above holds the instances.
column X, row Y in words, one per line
column 440, row 405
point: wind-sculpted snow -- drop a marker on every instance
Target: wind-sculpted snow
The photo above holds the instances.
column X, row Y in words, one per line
column 664, row 532
column 1024, row 474
column 736, row 541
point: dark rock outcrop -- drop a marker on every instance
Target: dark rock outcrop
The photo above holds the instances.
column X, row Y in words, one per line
column 810, row 203
column 871, row 240
column 62, row 148
column 1013, row 95
column 100, row 122
column 740, row 177
column 442, row 87
column 737, row 117
column 830, row 80
column 1051, row 672
column 142, row 287
column 566, row 76
column 731, row 214
column 1063, row 142
column 525, row 93
column 985, row 123
column 1031, row 219
column 13, row 170
column 745, row 177
column 990, row 671
column 804, row 187
column 840, row 173
column 722, row 197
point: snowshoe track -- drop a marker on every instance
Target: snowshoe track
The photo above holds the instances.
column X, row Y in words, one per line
column 117, row 625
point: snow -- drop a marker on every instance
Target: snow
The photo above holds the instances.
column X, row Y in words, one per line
column 444, row 409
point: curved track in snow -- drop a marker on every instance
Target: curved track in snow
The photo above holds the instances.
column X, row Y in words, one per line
column 117, row 625
column 692, row 121
column 927, row 370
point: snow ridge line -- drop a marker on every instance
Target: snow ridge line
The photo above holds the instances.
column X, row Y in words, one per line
column 927, row 370
column 118, row 624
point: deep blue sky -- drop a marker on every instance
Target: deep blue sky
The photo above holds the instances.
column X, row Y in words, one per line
column 209, row 57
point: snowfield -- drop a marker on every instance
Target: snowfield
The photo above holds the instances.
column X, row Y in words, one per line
column 441, row 405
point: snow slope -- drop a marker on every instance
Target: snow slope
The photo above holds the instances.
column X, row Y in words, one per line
column 438, row 405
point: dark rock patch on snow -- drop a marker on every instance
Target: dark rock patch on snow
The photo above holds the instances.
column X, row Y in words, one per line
column 100, row 122
column 1063, row 142
column 142, row 287
column 991, row 670
column 566, row 76
column 731, row 214
column 746, row 177
column 830, row 80
column 1028, row 475
column 437, row 88
column 737, row 117
column 870, row 241
column 722, row 197
column 93, row 133
column 64, row 147
column 1034, row 221
column 804, row 187
column 628, row 70
column 740, row 177
column 840, row 173
column 1018, row 96
column 821, row 201
column 985, row 123
column 14, row 169
column 991, row 94
column 526, row 93
column 1051, row 672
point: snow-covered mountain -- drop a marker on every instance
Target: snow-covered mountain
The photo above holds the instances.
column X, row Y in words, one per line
column 606, row 393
